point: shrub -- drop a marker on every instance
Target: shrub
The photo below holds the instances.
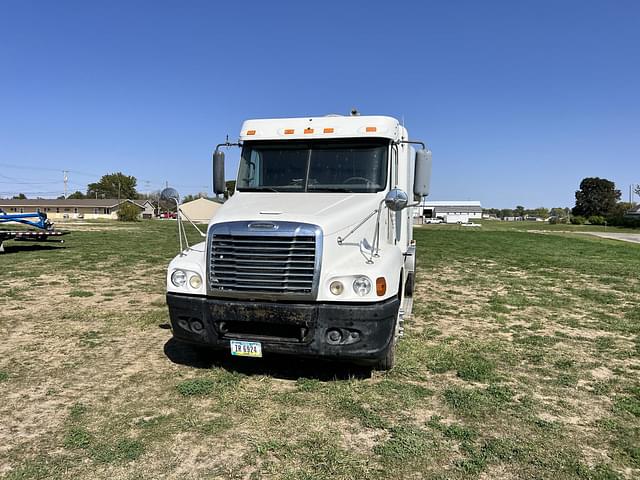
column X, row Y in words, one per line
column 618, row 216
column 578, row 220
column 596, row 220
column 557, row 220
column 128, row 213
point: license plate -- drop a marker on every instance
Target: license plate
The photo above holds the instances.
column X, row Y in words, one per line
column 246, row 349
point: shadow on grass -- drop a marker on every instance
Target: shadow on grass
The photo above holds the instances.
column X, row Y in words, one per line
column 16, row 248
column 277, row 366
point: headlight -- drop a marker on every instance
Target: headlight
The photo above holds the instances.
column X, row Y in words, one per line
column 336, row 287
column 362, row 286
column 195, row 281
column 179, row 278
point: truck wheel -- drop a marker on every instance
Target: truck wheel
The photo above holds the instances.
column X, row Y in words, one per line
column 387, row 362
column 409, row 285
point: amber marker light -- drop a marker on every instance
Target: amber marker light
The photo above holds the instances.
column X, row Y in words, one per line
column 308, row 130
column 328, row 130
column 251, row 132
column 371, row 129
column 288, row 131
column 381, row 286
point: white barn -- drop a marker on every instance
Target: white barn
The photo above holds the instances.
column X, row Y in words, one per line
column 450, row 211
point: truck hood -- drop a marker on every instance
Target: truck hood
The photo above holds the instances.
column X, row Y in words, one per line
column 335, row 213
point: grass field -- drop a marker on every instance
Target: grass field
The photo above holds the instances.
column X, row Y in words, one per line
column 522, row 361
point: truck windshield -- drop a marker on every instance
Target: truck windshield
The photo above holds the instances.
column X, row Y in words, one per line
column 350, row 165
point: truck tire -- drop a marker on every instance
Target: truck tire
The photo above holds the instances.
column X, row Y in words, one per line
column 387, row 362
column 409, row 285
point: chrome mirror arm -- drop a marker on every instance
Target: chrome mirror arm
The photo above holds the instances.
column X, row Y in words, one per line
column 342, row 239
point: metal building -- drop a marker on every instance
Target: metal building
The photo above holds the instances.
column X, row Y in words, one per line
column 450, row 211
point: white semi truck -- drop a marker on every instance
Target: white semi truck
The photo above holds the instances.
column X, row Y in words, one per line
column 313, row 255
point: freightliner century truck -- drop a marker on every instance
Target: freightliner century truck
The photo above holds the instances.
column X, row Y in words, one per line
column 313, row 254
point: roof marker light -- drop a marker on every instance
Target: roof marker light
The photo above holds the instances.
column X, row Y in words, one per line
column 288, row 131
column 308, row 130
column 371, row 129
column 251, row 132
column 328, row 130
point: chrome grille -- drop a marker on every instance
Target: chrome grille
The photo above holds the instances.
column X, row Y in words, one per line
column 280, row 261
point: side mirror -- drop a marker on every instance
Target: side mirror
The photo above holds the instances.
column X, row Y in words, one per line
column 422, row 173
column 219, row 185
column 396, row 199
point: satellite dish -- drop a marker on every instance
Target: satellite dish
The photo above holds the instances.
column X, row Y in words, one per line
column 169, row 193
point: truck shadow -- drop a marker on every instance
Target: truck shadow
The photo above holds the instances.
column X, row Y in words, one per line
column 277, row 366
column 15, row 248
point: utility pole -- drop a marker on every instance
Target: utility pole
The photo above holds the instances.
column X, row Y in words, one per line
column 65, row 178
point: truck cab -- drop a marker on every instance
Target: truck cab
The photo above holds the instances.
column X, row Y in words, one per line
column 313, row 255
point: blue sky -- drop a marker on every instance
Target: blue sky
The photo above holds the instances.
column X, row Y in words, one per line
column 519, row 100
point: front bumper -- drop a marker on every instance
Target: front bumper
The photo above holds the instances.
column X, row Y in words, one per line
column 341, row 331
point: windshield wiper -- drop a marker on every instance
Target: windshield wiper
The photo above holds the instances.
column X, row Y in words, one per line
column 258, row 189
column 330, row 189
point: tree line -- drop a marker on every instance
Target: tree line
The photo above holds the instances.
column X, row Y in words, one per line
column 119, row 185
column 597, row 202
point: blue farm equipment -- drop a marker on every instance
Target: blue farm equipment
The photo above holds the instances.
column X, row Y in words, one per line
column 35, row 220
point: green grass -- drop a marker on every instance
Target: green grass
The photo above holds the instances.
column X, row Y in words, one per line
column 80, row 293
column 197, row 386
column 522, row 360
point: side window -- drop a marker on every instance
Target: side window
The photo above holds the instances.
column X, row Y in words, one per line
column 250, row 173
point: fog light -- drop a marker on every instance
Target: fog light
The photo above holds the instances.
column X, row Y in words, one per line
column 195, row 281
column 336, row 288
column 334, row 336
column 179, row 278
column 362, row 286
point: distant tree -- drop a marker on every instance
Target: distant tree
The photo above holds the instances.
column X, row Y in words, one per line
column 558, row 212
column 638, row 189
column 541, row 212
column 114, row 185
column 491, row 211
column 506, row 212
column 20, row 196
column 617, row 215
column 597, row 196
column 231, row 188
column 77, row 195
column 191, row 197
column 519, row 211
column 128, row 212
